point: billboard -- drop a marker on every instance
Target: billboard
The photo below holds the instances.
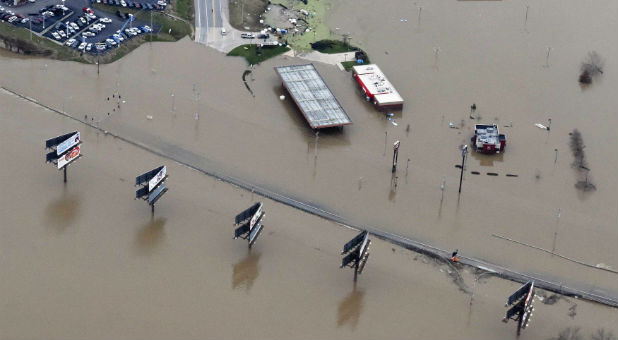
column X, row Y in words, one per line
column 157, row 179
column 70, row 156
column 256, row 216
column 255, row 232
column 68, row 143
column 156, row 194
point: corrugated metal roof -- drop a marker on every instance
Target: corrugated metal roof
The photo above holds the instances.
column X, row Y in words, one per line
column 313, row 97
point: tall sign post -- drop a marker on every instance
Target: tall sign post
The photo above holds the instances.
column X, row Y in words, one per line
column 356, row 253
column 249, row 223
column 153, row 185
column 464, row 152
column 395, row 154
column 65, row 150
column 522, row 308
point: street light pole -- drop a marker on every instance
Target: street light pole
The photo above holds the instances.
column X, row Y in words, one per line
column 464, row 151
column 474, row 286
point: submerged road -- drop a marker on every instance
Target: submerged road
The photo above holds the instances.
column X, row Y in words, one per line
column 184, row 157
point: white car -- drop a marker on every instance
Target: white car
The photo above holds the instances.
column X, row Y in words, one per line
column 69, row 42
column 88, row 34
column 110, row 41
column 89, row 47
column 161, row 3
column 106, row 20
column 13, row 18
column 91, row 16
column 74, row 25
column 56, row 35
column 119, row 37
column 61, row 33
column 123, row 3
column 82, row 46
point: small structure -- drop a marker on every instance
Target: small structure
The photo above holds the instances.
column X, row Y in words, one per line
column 522, row 306
column 356, row 253
column 376, row 87
column 312, row 96
column 153, row 187
column 250, row 223
column 65, row 149
column 487, row 139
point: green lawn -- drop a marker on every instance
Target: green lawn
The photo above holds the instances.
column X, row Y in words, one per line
column 250, row 52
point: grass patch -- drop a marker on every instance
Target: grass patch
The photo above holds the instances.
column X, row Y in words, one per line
column 170, row 29
column 184, row 9
column 332, row 46
column 19, row 38
column 253, row 55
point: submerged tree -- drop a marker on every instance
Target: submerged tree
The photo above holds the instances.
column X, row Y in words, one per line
column 591, row 68
column 579, row 163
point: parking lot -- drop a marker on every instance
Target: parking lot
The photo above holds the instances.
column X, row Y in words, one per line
column 76, row 24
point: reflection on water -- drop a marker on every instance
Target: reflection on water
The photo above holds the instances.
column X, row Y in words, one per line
column 350, row 308
column 487, row 160
column 62, row 211
column 150, row 235
column 246, row 271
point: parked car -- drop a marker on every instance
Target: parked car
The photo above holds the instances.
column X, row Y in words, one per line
column 70, row 41
column 247, row 35
column 82, row 46
column 88, row 47
column 88, row 10
column 56, row 35
column 106, row 20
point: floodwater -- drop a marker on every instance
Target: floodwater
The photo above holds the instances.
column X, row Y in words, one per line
column 517, row 72
column 85, row 260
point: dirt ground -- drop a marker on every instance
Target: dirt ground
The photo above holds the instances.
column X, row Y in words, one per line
column 245, row 14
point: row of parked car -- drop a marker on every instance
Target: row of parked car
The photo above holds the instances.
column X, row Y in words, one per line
column 113, row 40
column 157, row 6
column 67, row 29
column 8, row 15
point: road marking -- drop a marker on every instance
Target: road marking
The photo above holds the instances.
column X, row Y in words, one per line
column 214, row 16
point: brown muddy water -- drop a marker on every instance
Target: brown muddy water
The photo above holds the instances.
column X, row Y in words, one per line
column 85, row 260
column 100, row 268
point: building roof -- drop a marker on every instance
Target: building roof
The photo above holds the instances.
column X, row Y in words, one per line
column 374, row 81
column 312, row 96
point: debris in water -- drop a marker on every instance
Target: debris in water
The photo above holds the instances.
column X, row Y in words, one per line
column 394, row 123
column 282, row 97
column 149, row 117
column 403, row 20
column 540, row 126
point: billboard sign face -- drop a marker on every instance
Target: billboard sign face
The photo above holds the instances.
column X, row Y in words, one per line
column 157, row 179
column 68, row 157
column 67, row 144
column 255, row 232
column 256, row 217
column 158, row 192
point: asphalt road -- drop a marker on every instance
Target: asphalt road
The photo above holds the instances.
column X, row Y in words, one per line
column 207, row 18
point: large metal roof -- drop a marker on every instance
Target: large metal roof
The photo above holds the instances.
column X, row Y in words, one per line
column 312, row 96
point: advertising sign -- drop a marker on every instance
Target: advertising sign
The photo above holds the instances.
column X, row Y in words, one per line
column 67, row 144
column 255, row 232
column 68, row 157
column 255, row 217
column 158, row 192
column 157, row 178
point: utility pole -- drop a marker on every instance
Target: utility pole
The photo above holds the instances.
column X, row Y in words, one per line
column 464, row 151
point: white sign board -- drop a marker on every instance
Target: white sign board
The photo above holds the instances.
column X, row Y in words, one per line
column 157, row 178
column 69, row 157
column 255, row 217
column 67, row 144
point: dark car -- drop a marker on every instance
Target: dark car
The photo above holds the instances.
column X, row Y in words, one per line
column 124, row 36
column 137, row 5
column 263, row 36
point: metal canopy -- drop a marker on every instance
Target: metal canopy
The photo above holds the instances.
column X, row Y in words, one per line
column 312, row 96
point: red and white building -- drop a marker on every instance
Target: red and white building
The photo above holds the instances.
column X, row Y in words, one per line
column 487, row 139
column 376, row 88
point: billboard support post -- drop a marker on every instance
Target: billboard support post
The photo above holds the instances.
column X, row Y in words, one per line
column 65, row 174
column 356, row 252
column 395, row 154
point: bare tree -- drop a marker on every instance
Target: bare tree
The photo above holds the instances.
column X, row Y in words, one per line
column 591, row 68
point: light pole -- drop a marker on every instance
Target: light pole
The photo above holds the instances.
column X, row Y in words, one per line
column 464, row 151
